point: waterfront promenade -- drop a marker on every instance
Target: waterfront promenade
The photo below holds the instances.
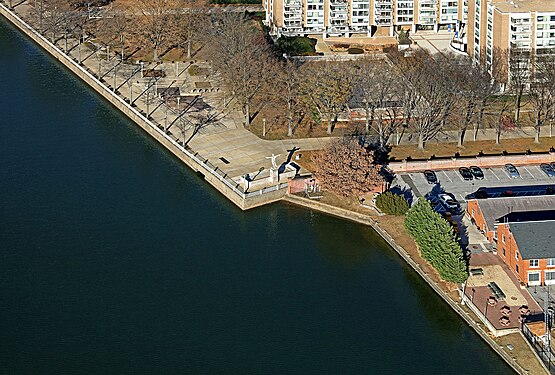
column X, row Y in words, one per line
column 225, row 143
column 220, row 134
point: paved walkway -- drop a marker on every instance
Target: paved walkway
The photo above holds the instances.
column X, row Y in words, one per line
column 432, row 41
column 245, row 152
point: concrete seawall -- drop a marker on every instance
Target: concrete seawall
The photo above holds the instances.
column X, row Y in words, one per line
column 242, row 200
column 367, row 220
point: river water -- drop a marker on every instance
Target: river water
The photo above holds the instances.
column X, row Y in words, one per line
column 116, row 258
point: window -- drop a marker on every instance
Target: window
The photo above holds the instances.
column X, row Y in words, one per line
column 516, row 255
column 503, row 239
column 550, row 262
column 503, row 251
column 534, row 278
column 534, row 263
column 549, row 277
column 516, row 268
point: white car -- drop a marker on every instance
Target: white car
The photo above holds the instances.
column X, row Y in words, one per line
column 450, row 203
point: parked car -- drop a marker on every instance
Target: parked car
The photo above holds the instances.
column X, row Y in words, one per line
column 450, row 203
column 547, row 169
column 512, row 171
column 465, row 173
column 477, row 172
column 431, row 177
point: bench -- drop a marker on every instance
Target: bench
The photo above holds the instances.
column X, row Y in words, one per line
column 476, row 271
column 496, row 290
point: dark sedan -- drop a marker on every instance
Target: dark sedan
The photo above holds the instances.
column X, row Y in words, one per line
column 477, row 172
column 431, row 177
column 465, row 173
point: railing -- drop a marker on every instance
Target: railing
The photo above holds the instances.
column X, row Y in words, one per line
column 544, row 352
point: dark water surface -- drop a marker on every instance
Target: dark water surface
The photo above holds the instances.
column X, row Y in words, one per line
column 115, row 258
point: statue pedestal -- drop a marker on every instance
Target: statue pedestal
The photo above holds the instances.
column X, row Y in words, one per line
column 274, row 175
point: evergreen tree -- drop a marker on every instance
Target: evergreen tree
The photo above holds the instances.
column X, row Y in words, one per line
column 392, row 204
column 437, row 242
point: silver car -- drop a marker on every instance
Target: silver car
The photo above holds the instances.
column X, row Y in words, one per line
column 512, row 171
column 547, row 169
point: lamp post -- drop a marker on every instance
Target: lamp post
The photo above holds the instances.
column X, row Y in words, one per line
column 264, row 127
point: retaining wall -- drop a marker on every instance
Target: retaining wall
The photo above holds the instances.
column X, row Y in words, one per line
column 367, row 220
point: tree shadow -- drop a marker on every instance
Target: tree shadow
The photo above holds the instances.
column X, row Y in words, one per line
column 405, row 193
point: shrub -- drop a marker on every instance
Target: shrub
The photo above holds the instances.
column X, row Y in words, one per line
column 392, row 204
column 355, row 51
column 436, row 241
column 296, row 45
column 404, row 37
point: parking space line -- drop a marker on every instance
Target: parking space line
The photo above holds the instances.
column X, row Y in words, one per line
column 541, row 172
column 491, row 170
column 447, row 176
column 526, row 169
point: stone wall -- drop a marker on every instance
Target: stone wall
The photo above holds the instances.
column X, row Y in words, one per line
column 480, row 161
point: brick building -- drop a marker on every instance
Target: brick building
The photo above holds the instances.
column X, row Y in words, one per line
column 486, row 212
column 522, row 229
column 528, row 247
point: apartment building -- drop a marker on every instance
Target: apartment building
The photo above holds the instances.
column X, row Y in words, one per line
column 498, row 29
column 361, row 17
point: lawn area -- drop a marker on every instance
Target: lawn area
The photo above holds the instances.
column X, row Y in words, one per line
column 517, row 145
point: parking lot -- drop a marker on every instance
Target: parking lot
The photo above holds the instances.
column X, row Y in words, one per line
column 452, row 182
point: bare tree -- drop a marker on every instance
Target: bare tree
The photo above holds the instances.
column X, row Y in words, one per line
column 190, row 26
column 472, row 86
column 497, row 116
column 412, row 71
column 519, row 77
column 327, row 88
column 155, row 24
column 377, row 91
column 429, row 109
column 346, row 168
column 52, row 17
column 287, row 85
column 37, row 12
column 240, row 55
column 116, row 29
column 542, row 92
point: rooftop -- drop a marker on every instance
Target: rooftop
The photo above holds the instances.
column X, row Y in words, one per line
column 535, row 239
column 495, row 208
column 522, row 6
